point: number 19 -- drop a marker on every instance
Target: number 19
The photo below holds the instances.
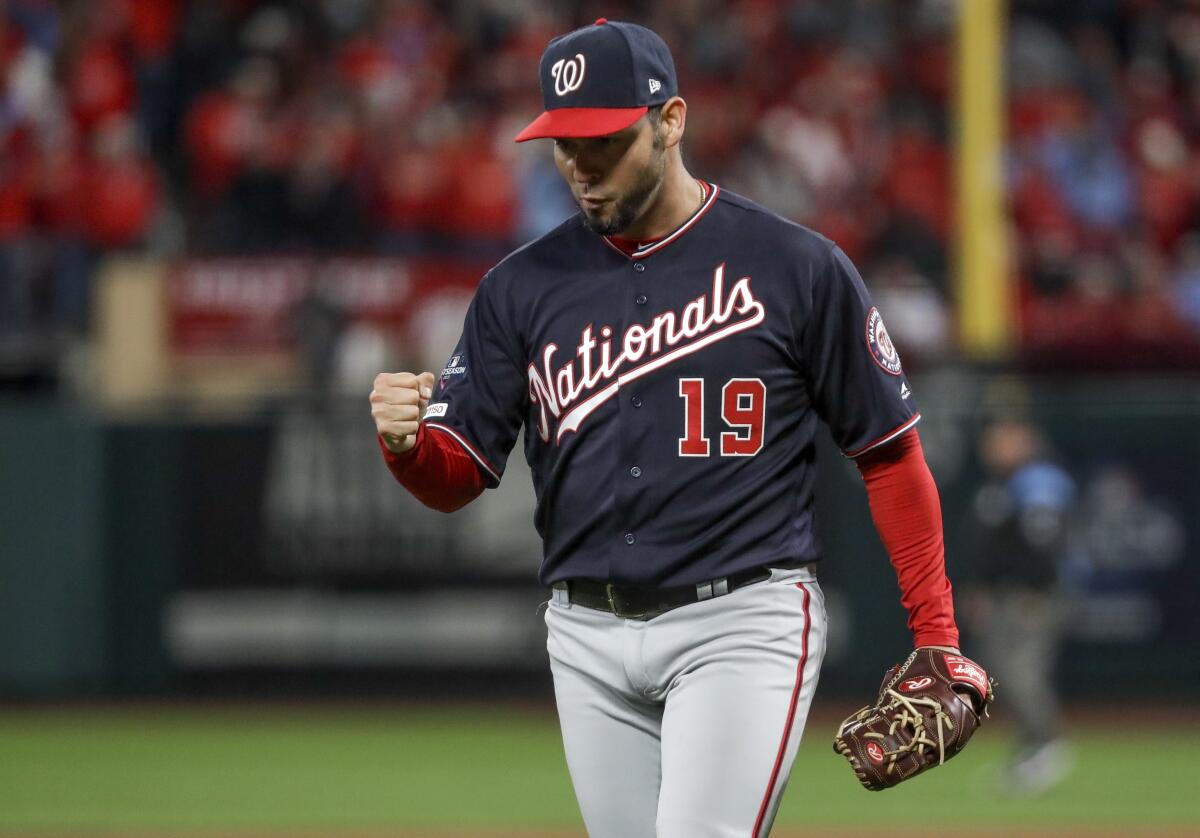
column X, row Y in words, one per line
column 743, row 407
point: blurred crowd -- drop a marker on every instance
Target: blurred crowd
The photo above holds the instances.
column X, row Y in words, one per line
column 385, row 126
column 1104, row 172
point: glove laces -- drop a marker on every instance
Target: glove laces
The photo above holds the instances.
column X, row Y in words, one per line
column 911, row 716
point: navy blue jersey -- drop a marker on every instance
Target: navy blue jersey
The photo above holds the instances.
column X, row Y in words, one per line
column 671, row 397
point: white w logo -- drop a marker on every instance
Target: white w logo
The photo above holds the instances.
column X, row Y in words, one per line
column 568, row 75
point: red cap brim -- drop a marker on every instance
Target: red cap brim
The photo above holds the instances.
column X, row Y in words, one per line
column 581, row 122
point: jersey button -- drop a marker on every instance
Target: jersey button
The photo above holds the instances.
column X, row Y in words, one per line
column 640, row 299
column 629, row 539
column 639, row 267
column 635, row 471
column 636, row 401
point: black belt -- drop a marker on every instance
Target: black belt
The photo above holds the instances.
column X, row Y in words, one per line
column 641, row 603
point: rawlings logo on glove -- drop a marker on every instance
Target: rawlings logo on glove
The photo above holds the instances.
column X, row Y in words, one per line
column 928, row 708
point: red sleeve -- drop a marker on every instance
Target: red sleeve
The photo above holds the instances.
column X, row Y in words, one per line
column 908, row 515
column 436, row 470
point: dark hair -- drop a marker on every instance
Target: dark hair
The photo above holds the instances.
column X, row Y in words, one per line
column 654, row 115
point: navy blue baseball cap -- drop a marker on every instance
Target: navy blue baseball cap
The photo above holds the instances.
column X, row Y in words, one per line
column 601, row 79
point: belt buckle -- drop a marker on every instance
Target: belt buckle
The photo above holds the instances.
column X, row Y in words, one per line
column 610, row 590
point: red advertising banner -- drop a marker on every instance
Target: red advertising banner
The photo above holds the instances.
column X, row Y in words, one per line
column 238, row 305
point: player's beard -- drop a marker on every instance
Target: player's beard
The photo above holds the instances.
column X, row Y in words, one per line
column 634, row 202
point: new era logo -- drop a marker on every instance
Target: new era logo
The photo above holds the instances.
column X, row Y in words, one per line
column 655, row 86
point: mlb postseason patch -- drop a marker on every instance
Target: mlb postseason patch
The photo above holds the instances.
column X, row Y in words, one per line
column 881, row 346
column 457, row 365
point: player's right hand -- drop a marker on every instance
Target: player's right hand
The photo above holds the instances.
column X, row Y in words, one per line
column 397, row 402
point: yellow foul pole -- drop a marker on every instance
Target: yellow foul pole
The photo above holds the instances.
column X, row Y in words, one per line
column 984, row 295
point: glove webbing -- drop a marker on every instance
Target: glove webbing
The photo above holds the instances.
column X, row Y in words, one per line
column 911, row 716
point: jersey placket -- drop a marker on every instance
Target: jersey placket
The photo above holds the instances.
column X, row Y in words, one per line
column 631, row 476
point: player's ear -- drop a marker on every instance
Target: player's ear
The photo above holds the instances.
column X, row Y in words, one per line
column 672, row 122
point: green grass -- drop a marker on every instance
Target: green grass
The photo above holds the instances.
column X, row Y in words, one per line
column 322, row 769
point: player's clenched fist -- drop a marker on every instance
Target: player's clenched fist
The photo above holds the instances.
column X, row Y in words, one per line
column 397, row 402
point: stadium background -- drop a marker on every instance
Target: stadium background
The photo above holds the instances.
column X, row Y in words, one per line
column 219, row 219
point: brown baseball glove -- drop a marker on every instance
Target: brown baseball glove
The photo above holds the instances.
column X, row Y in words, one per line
column 928, row 708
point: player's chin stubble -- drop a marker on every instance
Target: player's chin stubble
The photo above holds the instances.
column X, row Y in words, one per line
column 630, row 206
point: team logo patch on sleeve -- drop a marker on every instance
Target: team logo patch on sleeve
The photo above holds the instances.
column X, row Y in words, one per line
column 881, row 346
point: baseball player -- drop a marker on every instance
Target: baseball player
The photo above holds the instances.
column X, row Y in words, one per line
column 670, row 350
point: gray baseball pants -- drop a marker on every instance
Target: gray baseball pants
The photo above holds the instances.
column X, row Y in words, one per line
column 686, row 725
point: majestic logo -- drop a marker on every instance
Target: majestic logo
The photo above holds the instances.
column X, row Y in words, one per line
column 963, row 669
column 568, row 74
column 914, row 684
column 435, row 409
column 880, row 344
column 655, row 86
column 559, row 392
column 875, row 752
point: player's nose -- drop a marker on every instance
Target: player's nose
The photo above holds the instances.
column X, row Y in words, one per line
column 586, row 168
column 585, row 172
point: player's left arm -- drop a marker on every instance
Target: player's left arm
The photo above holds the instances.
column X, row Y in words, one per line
column 907, row 513
column 930, row 705
column 859, row 388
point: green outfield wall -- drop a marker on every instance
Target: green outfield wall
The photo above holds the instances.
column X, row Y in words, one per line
column 169, row 553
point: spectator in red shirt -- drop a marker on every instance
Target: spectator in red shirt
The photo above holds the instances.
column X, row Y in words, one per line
column 16, row 276
column 121, row 187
